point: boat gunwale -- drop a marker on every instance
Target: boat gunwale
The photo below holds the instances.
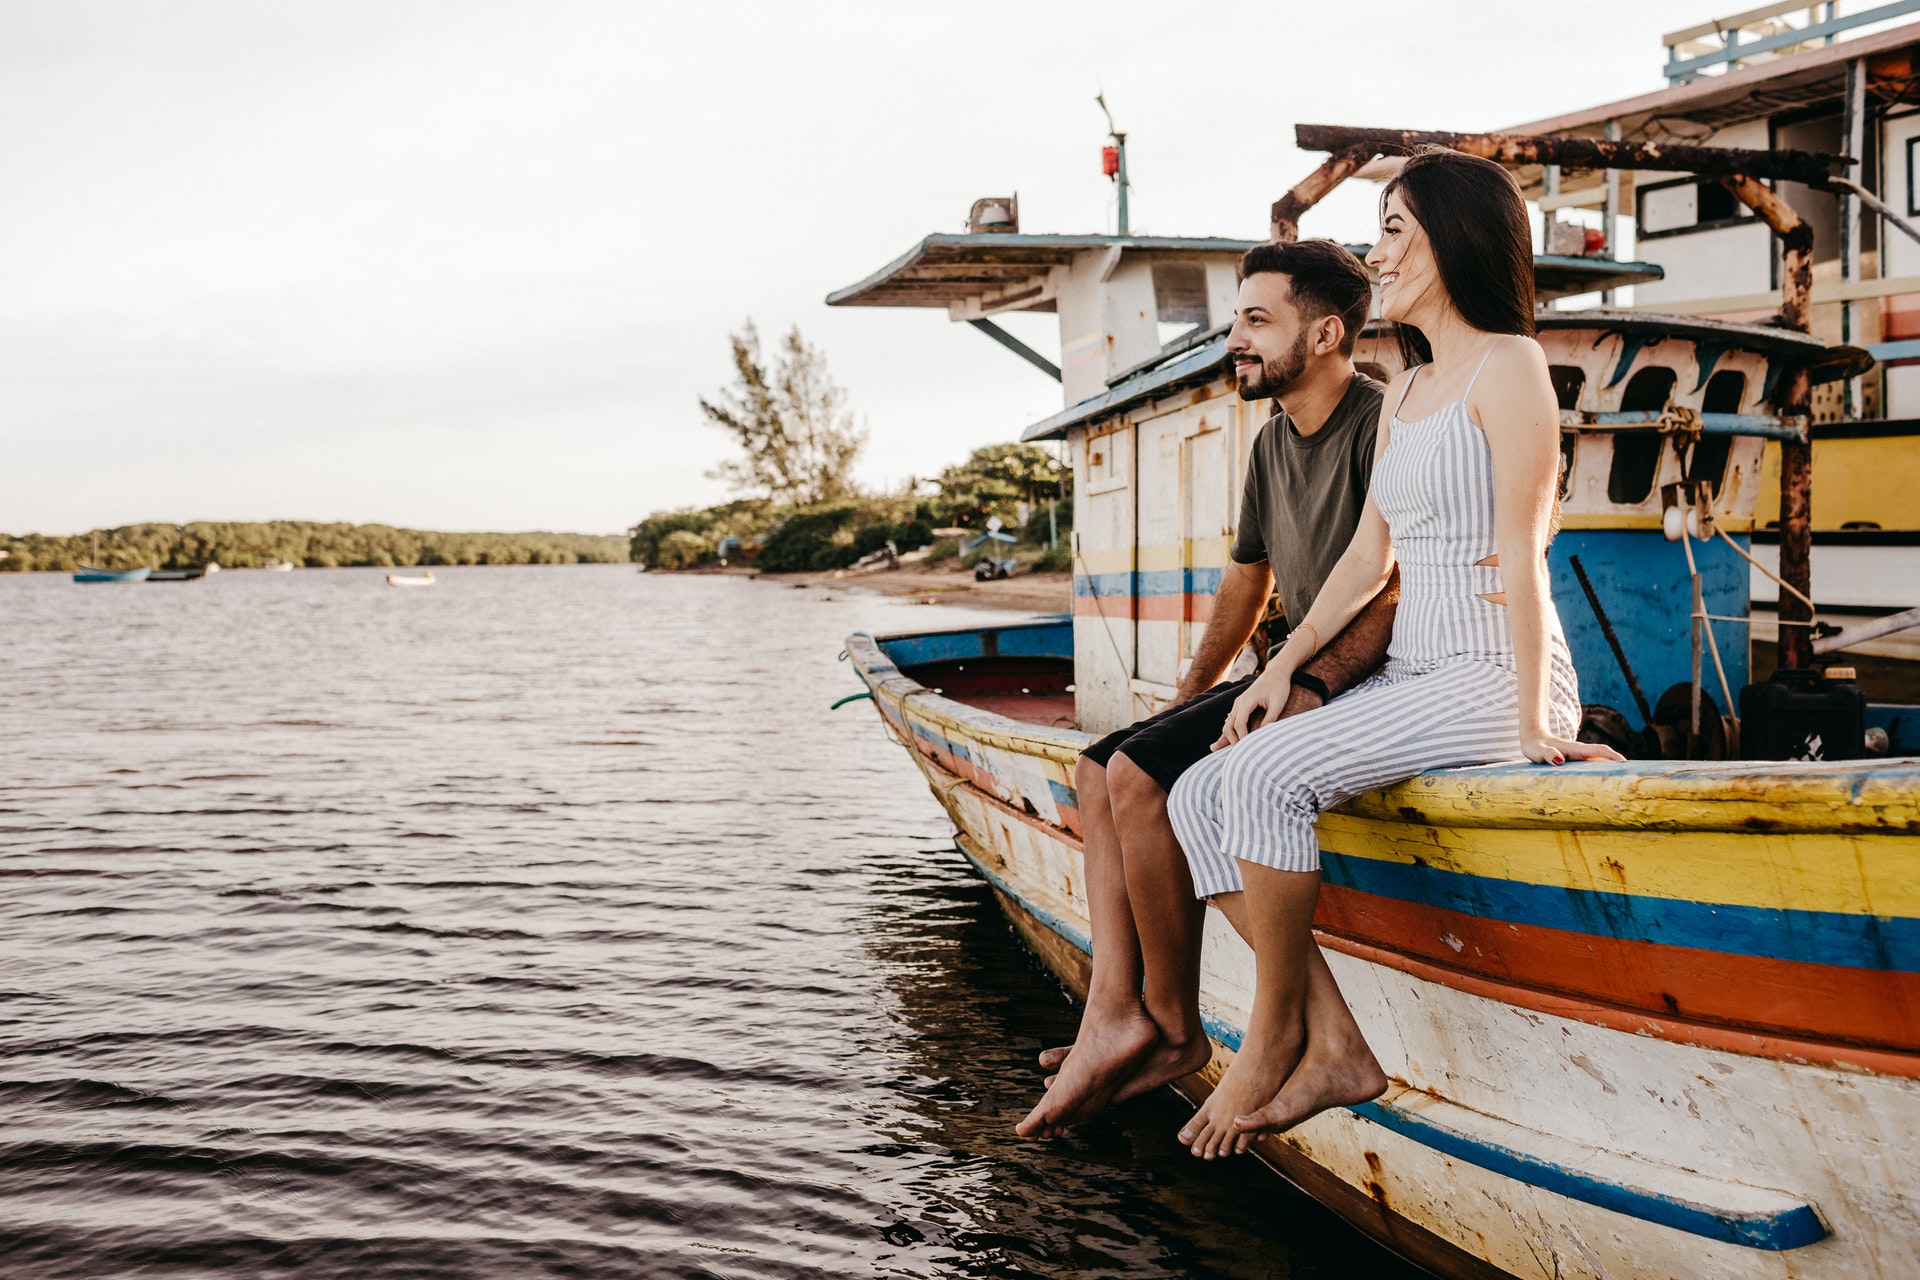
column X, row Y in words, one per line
column 1878, row 796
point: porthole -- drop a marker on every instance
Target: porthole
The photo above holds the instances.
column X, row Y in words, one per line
column 1708, row 459
column 1636, row 451
column 1568, row 379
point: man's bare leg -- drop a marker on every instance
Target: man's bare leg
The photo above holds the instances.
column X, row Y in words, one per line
column 1168, row 921
column 1115, row 1032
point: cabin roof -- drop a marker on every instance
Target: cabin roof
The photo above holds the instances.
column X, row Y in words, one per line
column 1202, row 364
column 1748, row 93
column 947, row 268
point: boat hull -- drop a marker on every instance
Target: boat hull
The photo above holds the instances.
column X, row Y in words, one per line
column 1575, row 1117
column 112, row 575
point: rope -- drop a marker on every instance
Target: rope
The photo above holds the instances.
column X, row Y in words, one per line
column 1770, row 573
column 1682, row 423
column 1126, row 667
column 1742, row 553
column 1713, row 645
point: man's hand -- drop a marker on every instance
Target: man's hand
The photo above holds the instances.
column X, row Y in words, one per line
column 1301, row 700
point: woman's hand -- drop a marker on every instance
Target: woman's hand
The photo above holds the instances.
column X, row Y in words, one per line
column 1544, row 748
column 1260, row 705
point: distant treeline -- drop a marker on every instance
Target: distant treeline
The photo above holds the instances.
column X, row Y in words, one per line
column 301, row 542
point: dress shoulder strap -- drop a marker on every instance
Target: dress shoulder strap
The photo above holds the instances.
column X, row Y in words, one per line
column 1402, row 402
column 1476, row 374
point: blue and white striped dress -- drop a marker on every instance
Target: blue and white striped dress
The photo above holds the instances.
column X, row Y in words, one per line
column 1449, row 694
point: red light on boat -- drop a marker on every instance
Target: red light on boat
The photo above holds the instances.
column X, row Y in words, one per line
column 1110, row 160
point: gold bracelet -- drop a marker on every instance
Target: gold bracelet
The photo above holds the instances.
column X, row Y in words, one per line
column 1316, row 638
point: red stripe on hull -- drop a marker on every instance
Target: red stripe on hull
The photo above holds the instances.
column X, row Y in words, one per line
column 1103, row 606
column 1633, row 1021
column 1186, row 608
column 1827, row 1002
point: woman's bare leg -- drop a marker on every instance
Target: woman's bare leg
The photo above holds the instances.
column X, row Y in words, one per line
column 1338, row 1068
column 1278, row 907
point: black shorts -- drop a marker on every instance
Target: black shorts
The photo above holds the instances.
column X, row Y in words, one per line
column 1170, row 741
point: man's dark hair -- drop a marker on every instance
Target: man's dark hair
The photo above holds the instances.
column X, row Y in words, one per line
column 1326, row 280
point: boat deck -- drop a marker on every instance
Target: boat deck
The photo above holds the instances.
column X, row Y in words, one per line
column 1034, row 690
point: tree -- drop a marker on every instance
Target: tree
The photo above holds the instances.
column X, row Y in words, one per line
column 790, row 422
column 993, row 479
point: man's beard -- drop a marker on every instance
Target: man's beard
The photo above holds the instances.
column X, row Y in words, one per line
column 1276, row 376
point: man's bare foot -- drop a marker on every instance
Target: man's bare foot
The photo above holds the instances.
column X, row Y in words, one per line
column 1324, row 1079
column 1251, row 1080
column 1168, row 1063
column 1104, row 1053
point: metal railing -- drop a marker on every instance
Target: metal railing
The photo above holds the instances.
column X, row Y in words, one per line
column 1744, row 35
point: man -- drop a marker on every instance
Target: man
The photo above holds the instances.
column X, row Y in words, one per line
column 1301, row 307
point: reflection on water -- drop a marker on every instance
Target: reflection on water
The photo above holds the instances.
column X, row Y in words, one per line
column 541, row 923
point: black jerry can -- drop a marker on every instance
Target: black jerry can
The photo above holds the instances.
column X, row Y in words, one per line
column 1799, row 714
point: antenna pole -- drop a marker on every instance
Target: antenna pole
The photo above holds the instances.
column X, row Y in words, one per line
column 1120, row 144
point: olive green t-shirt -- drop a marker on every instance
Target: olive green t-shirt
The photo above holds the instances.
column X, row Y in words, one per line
column 1304, row 493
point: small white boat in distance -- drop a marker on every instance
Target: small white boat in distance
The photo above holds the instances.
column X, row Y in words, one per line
column 400, row 580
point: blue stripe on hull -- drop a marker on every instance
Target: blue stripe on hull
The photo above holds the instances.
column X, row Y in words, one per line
column 1790, row 1229
column 1809, row 937
column 1156, row 582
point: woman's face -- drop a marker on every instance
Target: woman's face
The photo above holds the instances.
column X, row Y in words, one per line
column 1403, row 258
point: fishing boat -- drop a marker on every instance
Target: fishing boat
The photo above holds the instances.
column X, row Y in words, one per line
column 88, row 573
column 1658, row 1018
column 400, row 580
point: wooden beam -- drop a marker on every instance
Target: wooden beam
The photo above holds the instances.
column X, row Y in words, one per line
column 1582, row 153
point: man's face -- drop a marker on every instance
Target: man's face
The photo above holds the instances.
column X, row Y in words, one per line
column 1269, row 344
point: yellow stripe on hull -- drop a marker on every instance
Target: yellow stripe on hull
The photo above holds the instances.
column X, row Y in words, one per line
column 1876, row 875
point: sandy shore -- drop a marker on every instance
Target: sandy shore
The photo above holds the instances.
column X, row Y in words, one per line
column 1023, row 593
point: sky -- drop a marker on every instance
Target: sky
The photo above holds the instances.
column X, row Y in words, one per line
column 472, row 265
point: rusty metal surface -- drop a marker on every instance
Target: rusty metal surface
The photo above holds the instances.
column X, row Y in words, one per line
column 1312, row 189
column 1796, row 535
column 1581, row 153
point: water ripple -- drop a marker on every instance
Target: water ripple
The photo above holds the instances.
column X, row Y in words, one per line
column 544, row 924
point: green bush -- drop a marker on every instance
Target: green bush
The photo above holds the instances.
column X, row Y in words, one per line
column 747, row 519
column 681, row 549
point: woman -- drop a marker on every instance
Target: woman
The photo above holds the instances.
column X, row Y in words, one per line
column 1478, row 671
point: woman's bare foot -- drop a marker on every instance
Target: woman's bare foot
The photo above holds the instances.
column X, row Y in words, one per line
column 1251, row 1080
column 1337, row 1076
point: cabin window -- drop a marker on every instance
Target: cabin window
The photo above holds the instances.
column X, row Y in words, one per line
column 1568, row 379
column 1636, row 451
column 1179, row 298
column 1821, row 133
column 1708, row 460
column 1913, row 189
column 1685, row 206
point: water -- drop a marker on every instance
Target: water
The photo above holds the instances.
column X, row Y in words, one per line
column 540, row 923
